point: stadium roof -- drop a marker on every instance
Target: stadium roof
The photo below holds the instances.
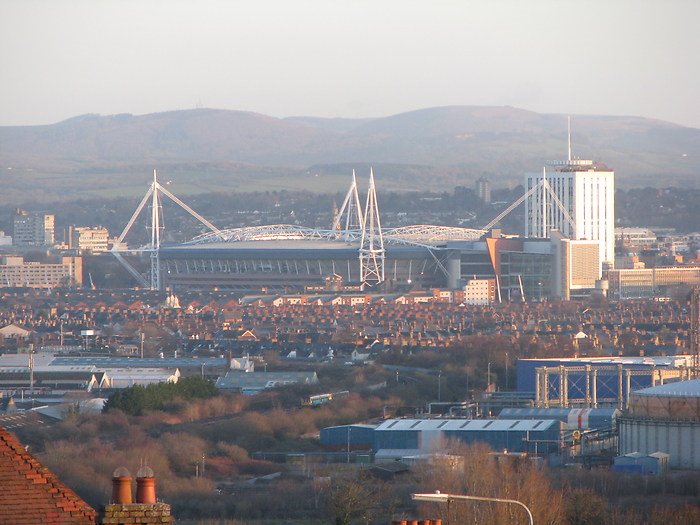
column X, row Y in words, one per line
column 418, row 235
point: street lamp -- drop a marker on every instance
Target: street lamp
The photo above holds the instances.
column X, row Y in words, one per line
column 438, row 497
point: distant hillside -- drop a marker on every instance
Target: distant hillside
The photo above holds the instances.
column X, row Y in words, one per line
column 206, row 148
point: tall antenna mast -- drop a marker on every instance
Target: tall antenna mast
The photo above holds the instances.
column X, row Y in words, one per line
column 372, row 246
column 568, row 118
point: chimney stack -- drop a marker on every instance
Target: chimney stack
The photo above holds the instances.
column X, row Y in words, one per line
column 146, row 510
column 121, row 486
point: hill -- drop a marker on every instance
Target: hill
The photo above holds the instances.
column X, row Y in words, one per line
column 205, row 149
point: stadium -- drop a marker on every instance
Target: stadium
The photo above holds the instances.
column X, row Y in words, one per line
column 356, row 253
column 290, row 258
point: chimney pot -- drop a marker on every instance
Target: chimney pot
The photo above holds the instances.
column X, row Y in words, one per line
column 121, row 486
column 145, row 486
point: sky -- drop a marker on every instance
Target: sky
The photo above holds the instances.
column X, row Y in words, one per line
column 360, row 58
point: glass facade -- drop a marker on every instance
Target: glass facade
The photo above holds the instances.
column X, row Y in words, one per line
column 532, row 270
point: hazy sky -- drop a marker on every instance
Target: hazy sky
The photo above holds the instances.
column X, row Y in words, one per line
column 348, row 58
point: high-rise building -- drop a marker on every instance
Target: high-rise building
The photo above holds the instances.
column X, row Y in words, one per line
column 33, row 229
column 483, row 189
column 576, row 266
column 577, row 198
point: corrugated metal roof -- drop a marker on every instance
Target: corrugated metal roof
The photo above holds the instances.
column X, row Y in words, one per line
column 146, row 362
column 357, row 425
column 615, row 360
column 689, row 388
column 446, row 425
column 546, row 413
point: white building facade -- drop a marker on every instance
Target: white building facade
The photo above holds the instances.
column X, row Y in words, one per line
column 580, row 189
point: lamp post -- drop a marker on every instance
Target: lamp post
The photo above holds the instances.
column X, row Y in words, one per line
column 437, row 497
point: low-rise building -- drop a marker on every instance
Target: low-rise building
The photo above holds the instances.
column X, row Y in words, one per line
column 255, row 382
column 87, row 238
column 648, row 283
column 16, row 272
column 397, row 438
column 477, row 292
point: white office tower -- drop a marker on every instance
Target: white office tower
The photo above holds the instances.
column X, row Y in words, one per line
column 575, row 197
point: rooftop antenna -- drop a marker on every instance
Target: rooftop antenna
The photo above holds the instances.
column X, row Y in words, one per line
column 568, row 118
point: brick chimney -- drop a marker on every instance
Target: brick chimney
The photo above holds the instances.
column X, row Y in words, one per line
column 146, row 510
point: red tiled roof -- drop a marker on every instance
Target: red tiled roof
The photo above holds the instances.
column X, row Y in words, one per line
column 31, row 494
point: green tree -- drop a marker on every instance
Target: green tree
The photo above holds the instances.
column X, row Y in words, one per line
column 137, row 399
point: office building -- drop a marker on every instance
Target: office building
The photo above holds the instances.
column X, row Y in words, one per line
column 86, row 238
column 33, row 229
column 651, row 283
column 576, row 266
column 16, row 272
column 577, row 198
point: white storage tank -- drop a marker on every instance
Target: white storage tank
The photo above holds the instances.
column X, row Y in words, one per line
column 666, row 419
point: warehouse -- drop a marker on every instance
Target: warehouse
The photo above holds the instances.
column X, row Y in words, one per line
column 397, row 438
column 666, row 419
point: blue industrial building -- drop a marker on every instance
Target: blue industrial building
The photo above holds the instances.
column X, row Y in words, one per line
column 354, row 437
column 396, row 438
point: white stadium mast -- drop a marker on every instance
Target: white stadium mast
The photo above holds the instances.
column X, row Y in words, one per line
column 156, row 227
column 372, row 247
column 353, row 212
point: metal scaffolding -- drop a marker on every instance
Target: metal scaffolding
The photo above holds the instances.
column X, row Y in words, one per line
column 569, row 389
